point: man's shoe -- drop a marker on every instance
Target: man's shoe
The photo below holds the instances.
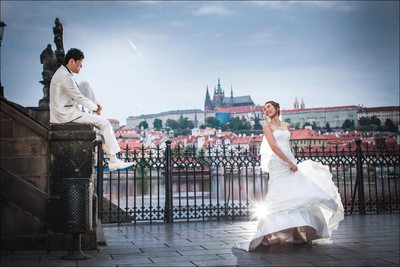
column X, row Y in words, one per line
column 118, row 164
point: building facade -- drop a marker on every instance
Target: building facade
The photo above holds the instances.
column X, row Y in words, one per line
column 382, row 113
column 194, row 115
column 335, row 116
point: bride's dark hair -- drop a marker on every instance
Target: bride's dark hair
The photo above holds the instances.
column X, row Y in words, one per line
column 276, row 106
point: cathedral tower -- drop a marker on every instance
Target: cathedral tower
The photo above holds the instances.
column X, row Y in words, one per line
column 218, row 95
column 296, row 103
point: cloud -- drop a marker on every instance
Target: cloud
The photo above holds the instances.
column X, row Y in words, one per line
column 214, row 9
column 332, row 5
column 178, row 24
column 262, row 37
column 344, row 6
column 277, row 5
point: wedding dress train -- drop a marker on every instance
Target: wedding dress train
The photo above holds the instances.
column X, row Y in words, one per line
column 299, row 206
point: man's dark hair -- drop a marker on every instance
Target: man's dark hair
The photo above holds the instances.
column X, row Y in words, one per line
column 73, row 53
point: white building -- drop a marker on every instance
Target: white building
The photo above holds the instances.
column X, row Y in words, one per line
column 194, row 115
column 382, row 113
column 335, row 116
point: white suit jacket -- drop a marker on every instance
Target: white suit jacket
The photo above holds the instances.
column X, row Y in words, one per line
column 65, row 98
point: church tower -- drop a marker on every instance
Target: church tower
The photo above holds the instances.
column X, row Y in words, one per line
column 302, row 105
column 207, row 103
column 296, row 103
column 218, row 95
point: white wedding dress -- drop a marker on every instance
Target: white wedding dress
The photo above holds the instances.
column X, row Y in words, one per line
column 299, row 206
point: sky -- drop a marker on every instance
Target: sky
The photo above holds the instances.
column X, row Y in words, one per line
column 145, row 57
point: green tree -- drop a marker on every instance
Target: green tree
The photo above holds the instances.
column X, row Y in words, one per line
column 244, row 124
column 238, row 124
column 185, row 123
column 314, row 125
column 234, row 124
column 257, row 125
column 364, row 121
column 212, row 122
column 177, row 151
column 390, row 126
column 328, row 127
column 173, row 124
column 157, row 124
column 348, row 124
column 306, row 124
column 375, row 120
column 143, row 124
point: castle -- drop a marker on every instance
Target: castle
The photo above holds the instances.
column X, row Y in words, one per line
column 221, row 101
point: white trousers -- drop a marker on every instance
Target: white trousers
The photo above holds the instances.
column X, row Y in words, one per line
column 106, row 132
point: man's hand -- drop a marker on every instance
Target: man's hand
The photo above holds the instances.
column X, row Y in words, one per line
column 98, row 111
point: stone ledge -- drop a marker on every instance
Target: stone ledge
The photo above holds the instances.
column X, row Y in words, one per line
column 71, row 132
column 70, row 126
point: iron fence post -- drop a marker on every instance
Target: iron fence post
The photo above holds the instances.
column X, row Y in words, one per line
column 168, row 210
column 100, row 178
column 360, row 178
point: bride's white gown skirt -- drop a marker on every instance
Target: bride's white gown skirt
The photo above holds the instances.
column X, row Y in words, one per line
column 299, row 206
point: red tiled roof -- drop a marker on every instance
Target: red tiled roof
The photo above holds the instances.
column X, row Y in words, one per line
column 301, row 134
column 243, row 140
column 132, row 145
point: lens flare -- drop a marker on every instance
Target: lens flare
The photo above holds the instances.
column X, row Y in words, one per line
column 258, row 210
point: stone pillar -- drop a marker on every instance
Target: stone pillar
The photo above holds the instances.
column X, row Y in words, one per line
column 71, row 159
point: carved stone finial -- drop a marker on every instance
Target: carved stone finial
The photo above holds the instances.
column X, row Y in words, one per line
column 49, row 61
column 58, row 40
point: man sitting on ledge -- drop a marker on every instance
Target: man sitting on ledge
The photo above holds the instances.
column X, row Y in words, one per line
column 65, row 99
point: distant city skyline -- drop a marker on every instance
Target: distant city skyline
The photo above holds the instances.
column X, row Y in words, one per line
column 146, row 57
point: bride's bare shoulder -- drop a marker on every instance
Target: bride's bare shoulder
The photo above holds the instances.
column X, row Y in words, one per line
column 267, row 126
column 286, row 124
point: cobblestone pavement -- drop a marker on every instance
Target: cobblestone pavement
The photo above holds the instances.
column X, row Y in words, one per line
column 369, row 240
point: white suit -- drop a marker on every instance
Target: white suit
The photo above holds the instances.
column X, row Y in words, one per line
column 65, row 99
column 86, row 90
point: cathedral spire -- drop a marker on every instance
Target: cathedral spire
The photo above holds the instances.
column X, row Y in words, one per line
column 207, row 94
column 207, row 102
column 296, row 103
column 302, row 105
column 219, row 88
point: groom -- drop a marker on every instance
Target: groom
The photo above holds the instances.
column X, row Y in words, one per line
column 65, row 99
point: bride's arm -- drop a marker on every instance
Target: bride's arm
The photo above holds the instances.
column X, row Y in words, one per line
column 275, row 148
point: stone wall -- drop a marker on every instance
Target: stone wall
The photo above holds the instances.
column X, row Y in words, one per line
column 27, row 161
column 24, row 165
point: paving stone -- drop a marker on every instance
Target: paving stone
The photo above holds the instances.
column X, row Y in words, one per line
column 177, row 264
column 23, row 262
column 373, row 262
column 370, row 240
column 185, row 258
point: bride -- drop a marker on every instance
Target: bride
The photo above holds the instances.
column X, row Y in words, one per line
column 302, row 203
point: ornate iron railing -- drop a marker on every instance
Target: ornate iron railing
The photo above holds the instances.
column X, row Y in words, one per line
column 166, row 185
